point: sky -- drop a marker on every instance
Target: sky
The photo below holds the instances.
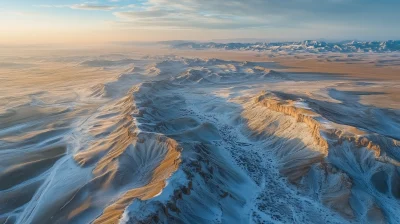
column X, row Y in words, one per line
column 78, row 21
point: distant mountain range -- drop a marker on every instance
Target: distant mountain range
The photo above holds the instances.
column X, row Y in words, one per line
column 310, row 46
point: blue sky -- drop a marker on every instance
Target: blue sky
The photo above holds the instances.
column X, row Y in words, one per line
column 148, row 20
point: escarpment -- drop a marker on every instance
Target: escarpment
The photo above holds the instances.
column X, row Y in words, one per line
column 323, row 135
column 300, row 114
column 325, row 158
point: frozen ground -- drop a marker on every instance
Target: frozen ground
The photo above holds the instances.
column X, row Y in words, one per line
column 174, row 139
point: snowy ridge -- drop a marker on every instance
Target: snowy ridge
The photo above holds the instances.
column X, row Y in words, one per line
column 189, row 140
column 310, row 46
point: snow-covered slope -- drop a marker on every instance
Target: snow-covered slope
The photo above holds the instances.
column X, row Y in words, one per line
column 311, row 46
column 189, row 140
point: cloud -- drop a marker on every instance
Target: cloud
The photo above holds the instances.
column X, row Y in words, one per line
column 86, row 6
column 146, row 15
column 215, row 14
column 177, row 15
column 325, row 18
column 182, row 20
column 83, row 6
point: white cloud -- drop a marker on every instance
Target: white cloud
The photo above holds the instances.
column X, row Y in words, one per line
column 307, row 15
column 83, row 6
column 176, row 14
column 86, row 6
column 252, row 13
